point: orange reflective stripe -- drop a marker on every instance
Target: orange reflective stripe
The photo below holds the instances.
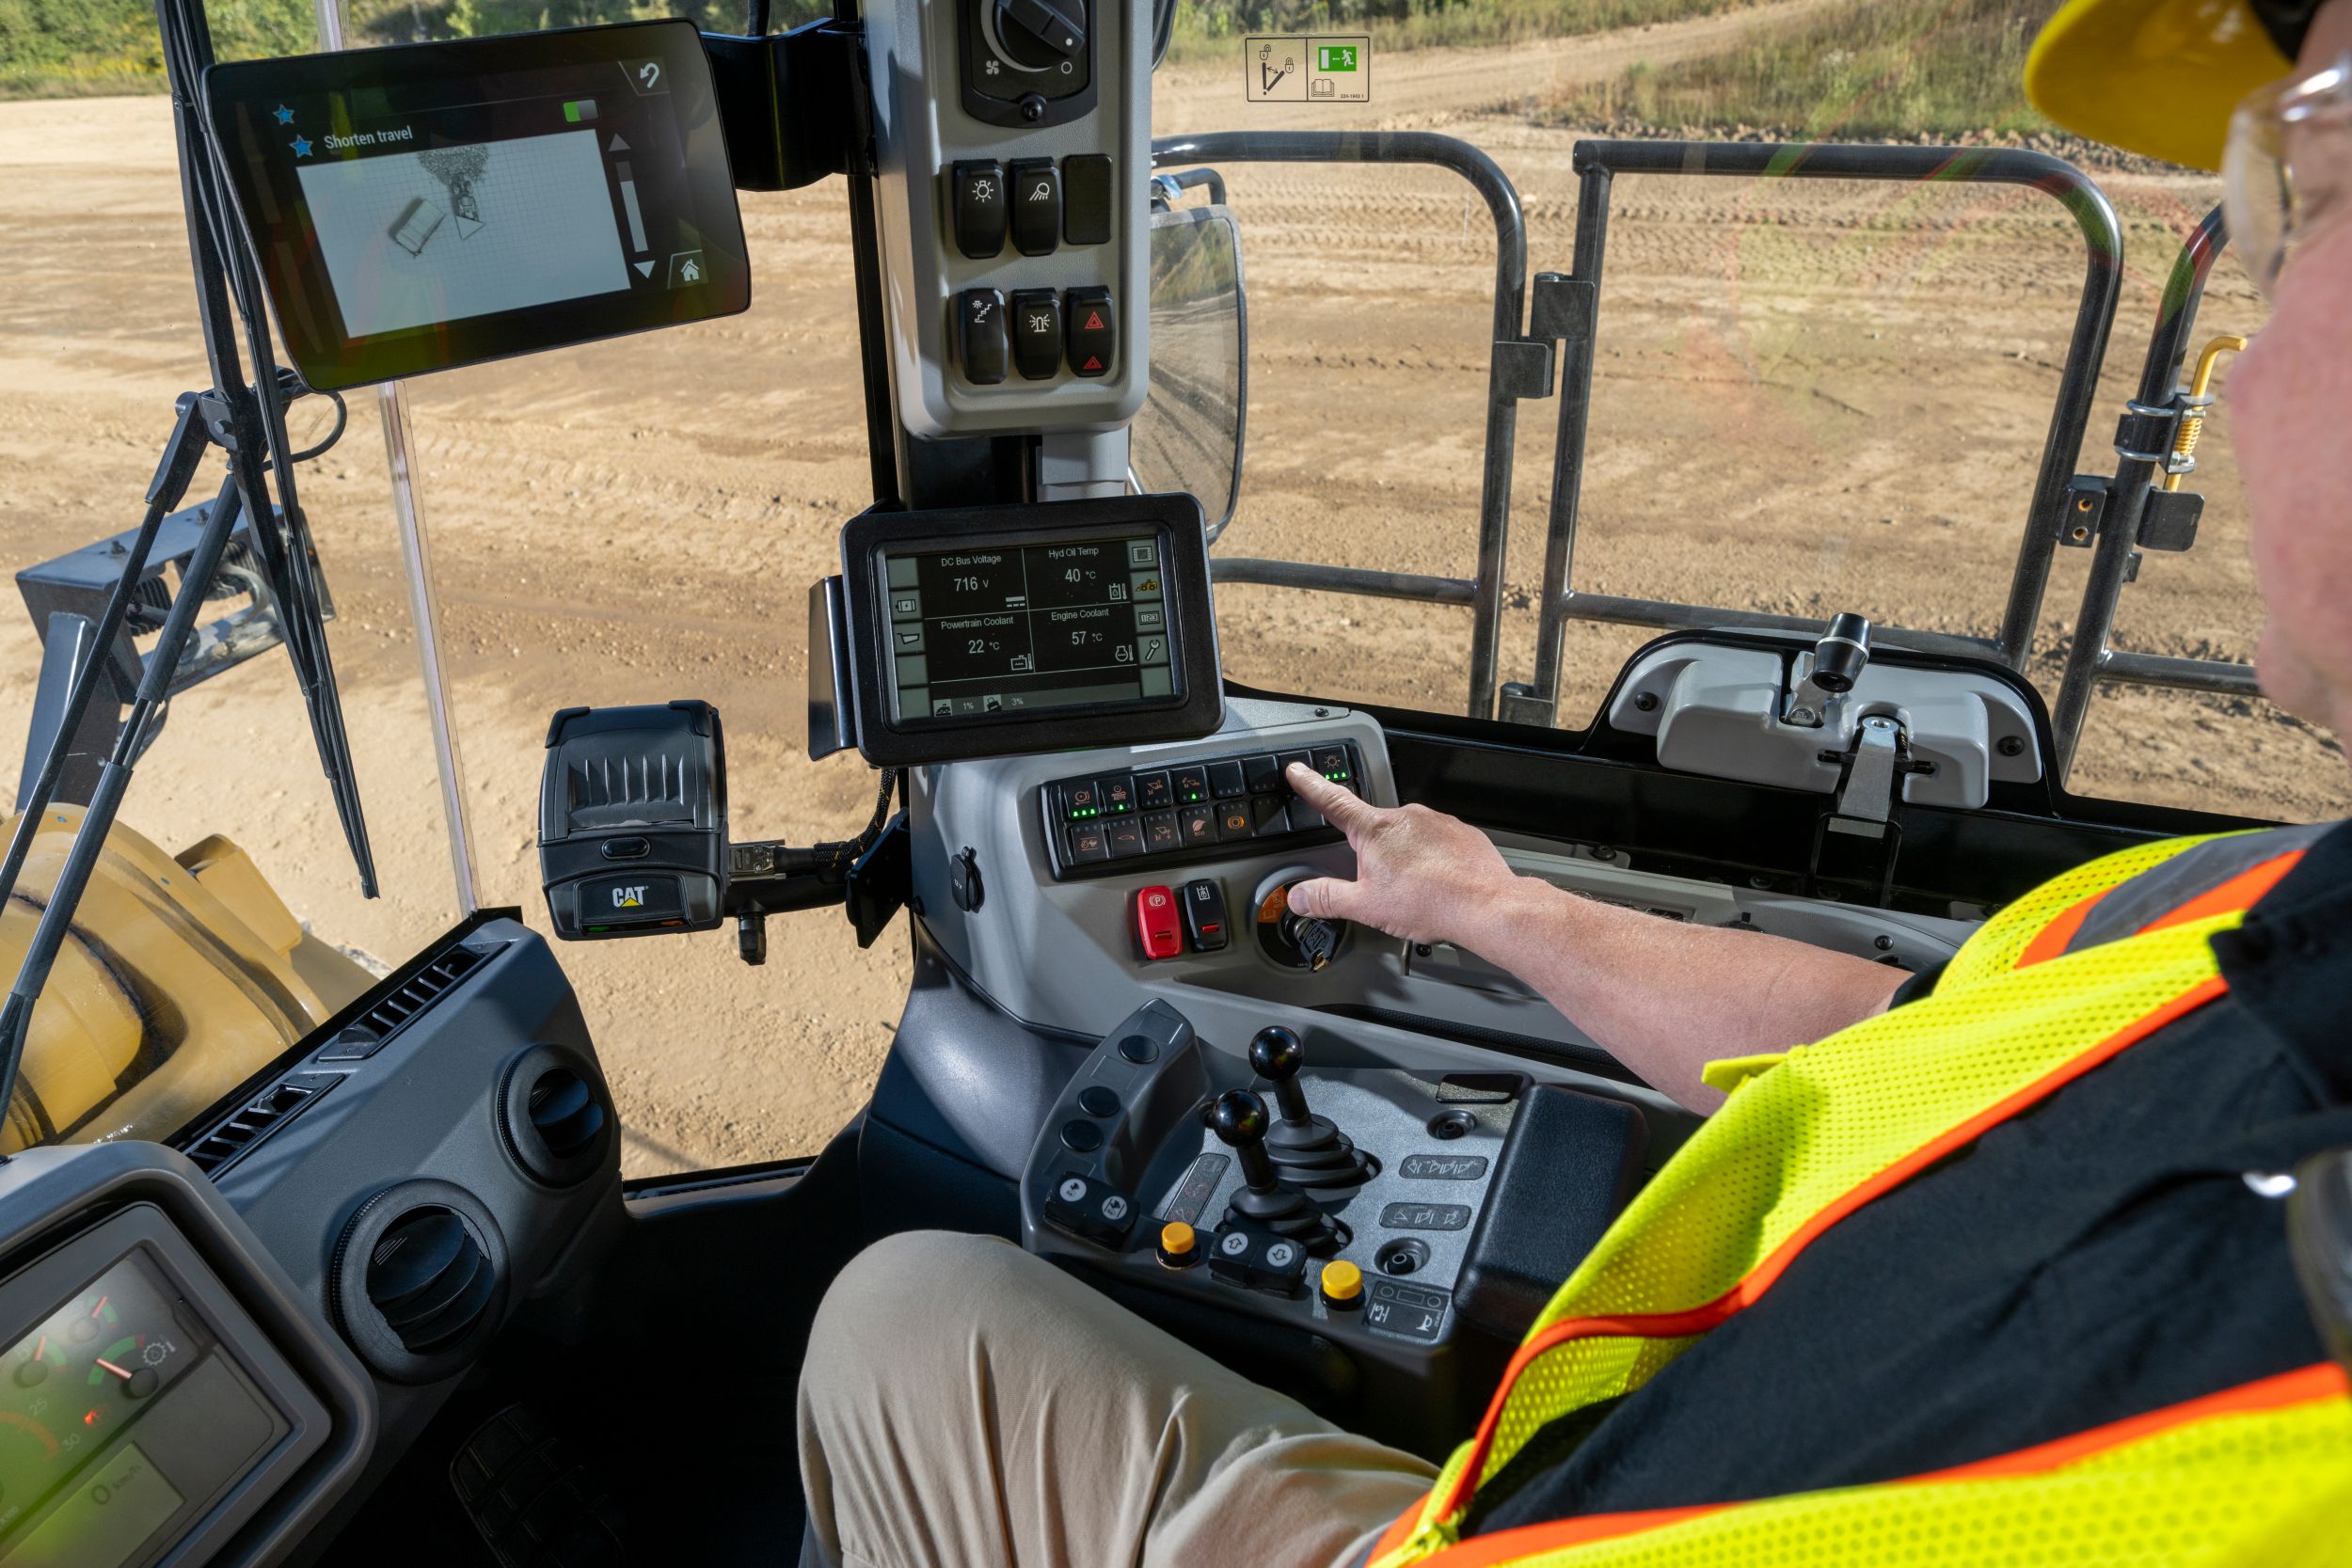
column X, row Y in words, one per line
column 2050, row 942
column 2241, row 892
column 2324, row 1381
column 1758, row 1280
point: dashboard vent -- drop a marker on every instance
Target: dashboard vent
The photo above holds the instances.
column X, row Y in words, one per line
column 556, row 1114
column 251, row 1123
column 412, row 996
column 565, row 1113
column 430, row 1279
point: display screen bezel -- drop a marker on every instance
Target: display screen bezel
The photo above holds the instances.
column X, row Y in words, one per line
column 275, row 216
column 1195, row 707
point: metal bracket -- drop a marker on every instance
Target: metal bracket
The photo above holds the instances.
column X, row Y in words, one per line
column 1867, row 794
column 2169, row 520
column 1523, row 368
column 2085, row 512
column 1562, row 308
column 787, row 102
column 2146, row 432
column 1862, row 821
column 1519, row 705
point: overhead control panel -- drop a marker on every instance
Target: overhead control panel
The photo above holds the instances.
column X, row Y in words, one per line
column 1012, row 211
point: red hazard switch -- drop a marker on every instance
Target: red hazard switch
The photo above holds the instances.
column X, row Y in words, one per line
column 1093, row 328
column 1159, row 925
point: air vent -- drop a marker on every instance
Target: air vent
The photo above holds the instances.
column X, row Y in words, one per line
column 417, row 1282
column 412, row 996
column 565, row 1112
column 556, row 1113
column 430, row 1279
column 257, row 1120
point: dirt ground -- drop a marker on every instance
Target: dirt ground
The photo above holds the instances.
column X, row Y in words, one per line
column 1810, row 397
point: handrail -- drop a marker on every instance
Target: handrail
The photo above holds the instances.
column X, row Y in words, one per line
column 1598, row 162
column 2117, row 549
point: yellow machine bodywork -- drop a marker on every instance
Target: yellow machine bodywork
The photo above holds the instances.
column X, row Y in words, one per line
column 182, row 978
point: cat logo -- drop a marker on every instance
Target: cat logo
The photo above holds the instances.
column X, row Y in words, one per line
column 628, row 898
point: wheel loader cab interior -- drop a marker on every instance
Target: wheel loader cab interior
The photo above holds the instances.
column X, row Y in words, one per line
column 387, row 1297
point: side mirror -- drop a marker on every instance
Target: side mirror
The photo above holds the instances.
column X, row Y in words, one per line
column 1188, row 434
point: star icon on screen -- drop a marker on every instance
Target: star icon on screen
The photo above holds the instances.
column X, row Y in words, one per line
column 285, row 116
column 301, row 146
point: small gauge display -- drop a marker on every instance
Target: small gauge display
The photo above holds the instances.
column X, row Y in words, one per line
column 83, row 1375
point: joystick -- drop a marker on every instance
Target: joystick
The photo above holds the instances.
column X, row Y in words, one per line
column 1240, row 1121
column 1305, row 1147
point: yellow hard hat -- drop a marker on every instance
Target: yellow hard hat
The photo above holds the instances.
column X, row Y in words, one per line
column 2161, row 76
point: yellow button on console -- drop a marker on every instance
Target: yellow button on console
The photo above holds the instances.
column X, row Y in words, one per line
column 1342, row 1284
column 1176, row 1245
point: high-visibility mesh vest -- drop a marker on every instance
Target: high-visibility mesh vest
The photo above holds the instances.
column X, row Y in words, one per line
column 2061, row 981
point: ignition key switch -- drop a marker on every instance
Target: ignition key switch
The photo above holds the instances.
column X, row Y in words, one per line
column 1293, row 939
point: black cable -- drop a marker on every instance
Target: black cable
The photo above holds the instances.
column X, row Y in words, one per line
column 342, row 418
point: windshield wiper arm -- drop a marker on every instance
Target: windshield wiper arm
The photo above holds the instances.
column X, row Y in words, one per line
column 114, row 776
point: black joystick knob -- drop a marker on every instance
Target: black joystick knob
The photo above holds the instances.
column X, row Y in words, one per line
column 1843, row 653
column 1276, row 1053
column 1238, row 1118
column 1307, row 1148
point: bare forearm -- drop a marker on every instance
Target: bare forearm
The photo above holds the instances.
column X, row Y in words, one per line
column 1665, row 998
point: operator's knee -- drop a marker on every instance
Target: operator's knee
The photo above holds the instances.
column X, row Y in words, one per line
column 901, row 1304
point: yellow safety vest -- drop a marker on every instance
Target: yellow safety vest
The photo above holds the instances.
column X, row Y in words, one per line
column 2061, row 981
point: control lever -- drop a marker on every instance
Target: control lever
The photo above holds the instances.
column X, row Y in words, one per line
column 1305, row 1147
column 1838, row 660
column 1239, row 1120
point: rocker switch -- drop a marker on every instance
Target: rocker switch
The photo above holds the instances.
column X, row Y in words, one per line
column 1036, row 205
column 976, row 205
column 980, row 335
column 1037, row 336
column 1205, row 916
column 1158, row 932
column 1093, row 331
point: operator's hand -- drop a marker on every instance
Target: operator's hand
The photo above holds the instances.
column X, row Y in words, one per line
column 1420, row 874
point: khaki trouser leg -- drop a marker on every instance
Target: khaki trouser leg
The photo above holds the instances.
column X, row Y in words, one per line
column 966, row 1405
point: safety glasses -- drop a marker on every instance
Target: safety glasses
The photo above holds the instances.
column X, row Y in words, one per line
column 2288, row 167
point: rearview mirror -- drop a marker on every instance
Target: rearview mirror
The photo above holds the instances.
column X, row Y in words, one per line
column 1188, row 435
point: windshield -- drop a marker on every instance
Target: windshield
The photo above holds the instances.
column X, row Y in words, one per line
column 1805, row 396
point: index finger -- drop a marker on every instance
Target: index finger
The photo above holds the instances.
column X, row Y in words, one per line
column 1346, row 810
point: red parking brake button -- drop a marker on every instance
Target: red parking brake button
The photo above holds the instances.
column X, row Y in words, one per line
column 1159, row 926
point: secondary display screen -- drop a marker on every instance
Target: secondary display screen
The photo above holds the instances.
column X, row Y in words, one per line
column 1021, row 629
column 434, row 205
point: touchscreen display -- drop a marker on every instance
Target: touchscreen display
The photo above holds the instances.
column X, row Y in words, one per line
column 1028, row 628
column 423, row 207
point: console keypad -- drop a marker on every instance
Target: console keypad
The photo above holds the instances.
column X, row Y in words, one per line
column 1108, row 819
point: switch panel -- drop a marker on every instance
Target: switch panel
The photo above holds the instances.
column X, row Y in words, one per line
column 1013, row 154
column 1187, row 811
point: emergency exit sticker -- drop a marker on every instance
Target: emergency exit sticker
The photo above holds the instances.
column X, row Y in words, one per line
column 1294, row 69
